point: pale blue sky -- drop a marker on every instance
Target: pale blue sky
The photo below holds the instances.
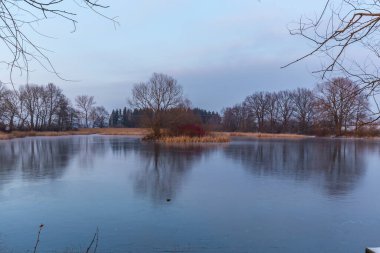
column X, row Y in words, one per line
column 220, row 51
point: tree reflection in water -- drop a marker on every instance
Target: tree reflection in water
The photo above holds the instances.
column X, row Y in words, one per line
column 35, row 157
column 46, row 158
column 89, row 149
column 338, row 164
column 163, row 166
column 9, row 154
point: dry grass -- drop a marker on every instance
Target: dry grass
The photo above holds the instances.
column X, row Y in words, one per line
column 213, row 138
column 89, row 131
column 204, row 139
column 267, row 135
column 4, row 136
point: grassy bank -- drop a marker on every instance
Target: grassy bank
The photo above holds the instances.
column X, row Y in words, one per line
column 213, row 138
column 220, row 137
column 186, row 139
column 89, row 131
column 267, row 135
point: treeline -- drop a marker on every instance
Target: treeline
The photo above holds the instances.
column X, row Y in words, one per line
column 127, row 117
column 45, row 107
column 336, row 107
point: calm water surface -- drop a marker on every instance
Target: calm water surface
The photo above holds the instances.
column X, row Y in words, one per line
column 246, row 196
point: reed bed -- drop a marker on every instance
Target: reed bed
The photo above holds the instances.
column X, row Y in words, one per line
column 187, row 139
column 215, row 137
column 267, row 135
column 88, row 131
column 4, row 136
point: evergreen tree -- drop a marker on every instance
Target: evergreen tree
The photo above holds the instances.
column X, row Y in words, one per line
column 116, row 118
column 120, row 119
column 111, row 120
column 125, row 117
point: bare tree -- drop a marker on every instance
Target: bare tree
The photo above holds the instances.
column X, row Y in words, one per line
column 258, row 105
column 332, row 107
column 361, row 112
column 35, row 107
column 340, row 103
column 38, row 107
column 85, row 104
column 304, row 108
column 15, row 115
column 52, row 98
column 272, row 110
column 3, row 92
column 238, row 118
column 66, row 115
column 286, row 108
column 20, row 19
column 158, row 95
column 99, row 116
column 342, row 30
column 31, row 96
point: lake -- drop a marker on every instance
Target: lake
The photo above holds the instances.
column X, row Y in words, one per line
column 310, row 195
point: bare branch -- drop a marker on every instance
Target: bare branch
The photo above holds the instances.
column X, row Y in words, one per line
column 345, row 28
column 18, row 18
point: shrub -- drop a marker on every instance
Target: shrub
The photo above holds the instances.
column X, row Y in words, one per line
column 191, row 130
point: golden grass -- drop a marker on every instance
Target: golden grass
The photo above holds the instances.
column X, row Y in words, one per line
column 267, row 135
column 4, row 136
column 187, row 139
column 89, row 131
column 215, row 137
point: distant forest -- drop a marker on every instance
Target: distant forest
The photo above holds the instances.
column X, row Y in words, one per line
column 336, row 107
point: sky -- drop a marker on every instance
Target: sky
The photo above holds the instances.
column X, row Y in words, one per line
column 220, row 51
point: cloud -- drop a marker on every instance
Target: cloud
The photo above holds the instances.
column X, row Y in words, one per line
column 216, row 88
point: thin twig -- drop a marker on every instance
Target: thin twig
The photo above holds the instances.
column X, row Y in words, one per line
column 38, row 238
column 94, row 239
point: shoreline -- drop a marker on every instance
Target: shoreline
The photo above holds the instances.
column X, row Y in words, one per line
column 145, row 131
column 88, row 131
column 267, row 135
column 212, row 138
column 283, row 136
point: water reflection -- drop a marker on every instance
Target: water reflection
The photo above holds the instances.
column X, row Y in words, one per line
column 337, row 164
column 35, row 157
column 162, row 167
column 8, row 158
column 89, row 149
column 42, row 158
column 47, row 158
column 269, row 190
column 160, row 173
column 165, row 168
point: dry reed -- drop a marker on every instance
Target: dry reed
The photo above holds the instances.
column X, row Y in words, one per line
column 187, row 139
column 267, row 135
column 89, row 131
column 213, row 138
